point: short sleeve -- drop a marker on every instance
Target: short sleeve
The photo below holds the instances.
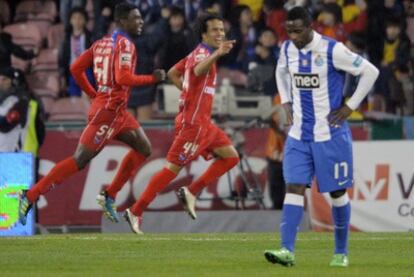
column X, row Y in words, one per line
column 180, row 66
column 346, row 60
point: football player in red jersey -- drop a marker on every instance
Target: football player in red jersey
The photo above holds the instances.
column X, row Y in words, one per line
column 195, row 134
column 113, row 59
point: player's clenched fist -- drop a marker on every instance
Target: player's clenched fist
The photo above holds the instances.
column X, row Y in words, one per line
column 225, row 47
column 159, row 75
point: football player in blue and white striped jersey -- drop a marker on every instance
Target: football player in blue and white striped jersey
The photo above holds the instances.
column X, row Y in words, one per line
column 310, row 77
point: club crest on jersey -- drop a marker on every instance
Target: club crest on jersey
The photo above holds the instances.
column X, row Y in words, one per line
column 200, row 56
column 319, row 60
column 182, row 157
column 306, row 81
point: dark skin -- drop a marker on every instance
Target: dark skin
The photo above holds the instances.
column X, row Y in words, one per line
column 136, row 138
column 301, row 34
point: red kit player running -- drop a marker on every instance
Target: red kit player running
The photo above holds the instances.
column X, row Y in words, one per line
column 113, row 59
column 195, row 134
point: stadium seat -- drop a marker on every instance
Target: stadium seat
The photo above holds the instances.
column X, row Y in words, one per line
column 55, row 35
column 47, row 60
column 236, row 77
column 47, row 104
column 42, row 24
column 72, row 108
column 20, row 64
column 25, row 35
column 44, row 84
column 31, row 9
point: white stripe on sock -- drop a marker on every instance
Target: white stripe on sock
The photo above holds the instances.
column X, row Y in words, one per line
column 294, row 199
column 341, row 201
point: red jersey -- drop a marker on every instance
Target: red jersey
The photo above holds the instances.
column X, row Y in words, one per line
column 196, row 98
column 113, row 59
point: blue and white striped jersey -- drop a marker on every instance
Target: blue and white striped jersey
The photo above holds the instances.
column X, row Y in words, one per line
column 313, row 78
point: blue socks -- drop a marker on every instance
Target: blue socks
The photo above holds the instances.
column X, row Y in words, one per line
column 291, row 218
column 341, row 213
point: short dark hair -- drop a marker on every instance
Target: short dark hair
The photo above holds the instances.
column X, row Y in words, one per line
column 299, row 13
column 201, row 26
column 122, row 10
column 80, row 10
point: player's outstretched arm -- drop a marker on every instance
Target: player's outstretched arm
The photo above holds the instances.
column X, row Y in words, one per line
column 124, row 77
column 78, row 67
column 204, row 66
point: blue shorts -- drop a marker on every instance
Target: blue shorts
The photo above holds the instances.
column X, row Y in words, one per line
column 330, row 161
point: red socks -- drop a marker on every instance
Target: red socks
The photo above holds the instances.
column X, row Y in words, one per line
column 157, row 183
column 129, row 165
column 59, row 172
column 216, row 169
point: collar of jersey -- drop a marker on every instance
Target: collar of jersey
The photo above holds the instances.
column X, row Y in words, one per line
column 209, row 48
column 312, row 45
column 119, row 32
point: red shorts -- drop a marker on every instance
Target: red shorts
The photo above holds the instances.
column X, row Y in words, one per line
column 104, row 125
column 194, row 140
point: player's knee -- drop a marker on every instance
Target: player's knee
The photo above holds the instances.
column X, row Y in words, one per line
column 233, row 161
column 296, row 189
column 337, row 193
column 146, row 150
column 81, row 162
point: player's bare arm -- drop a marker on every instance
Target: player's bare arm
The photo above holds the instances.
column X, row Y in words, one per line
column 204, row 66
column 175, row 77
column 289, row 113
column 77, row 69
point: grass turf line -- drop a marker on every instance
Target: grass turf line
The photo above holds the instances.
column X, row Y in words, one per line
column 225, row 254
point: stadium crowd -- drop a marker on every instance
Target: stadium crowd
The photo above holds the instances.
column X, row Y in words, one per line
column 43, row 37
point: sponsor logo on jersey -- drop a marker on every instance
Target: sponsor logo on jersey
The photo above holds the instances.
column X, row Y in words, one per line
column 306, row 81
column 209, row 90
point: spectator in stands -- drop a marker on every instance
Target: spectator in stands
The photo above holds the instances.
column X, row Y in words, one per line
column 329, row 22
column 401, row 90
column 65, row 7
column 255, row 7
column 261, row 76
column 13, row 112
column 77, row 40
column 243, row 31
column 8, row 48
column 395, row 50
column 275, row 16
column 396, row 45
column 178, row 40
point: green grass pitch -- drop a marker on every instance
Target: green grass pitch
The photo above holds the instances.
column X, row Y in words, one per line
column 225, row 254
